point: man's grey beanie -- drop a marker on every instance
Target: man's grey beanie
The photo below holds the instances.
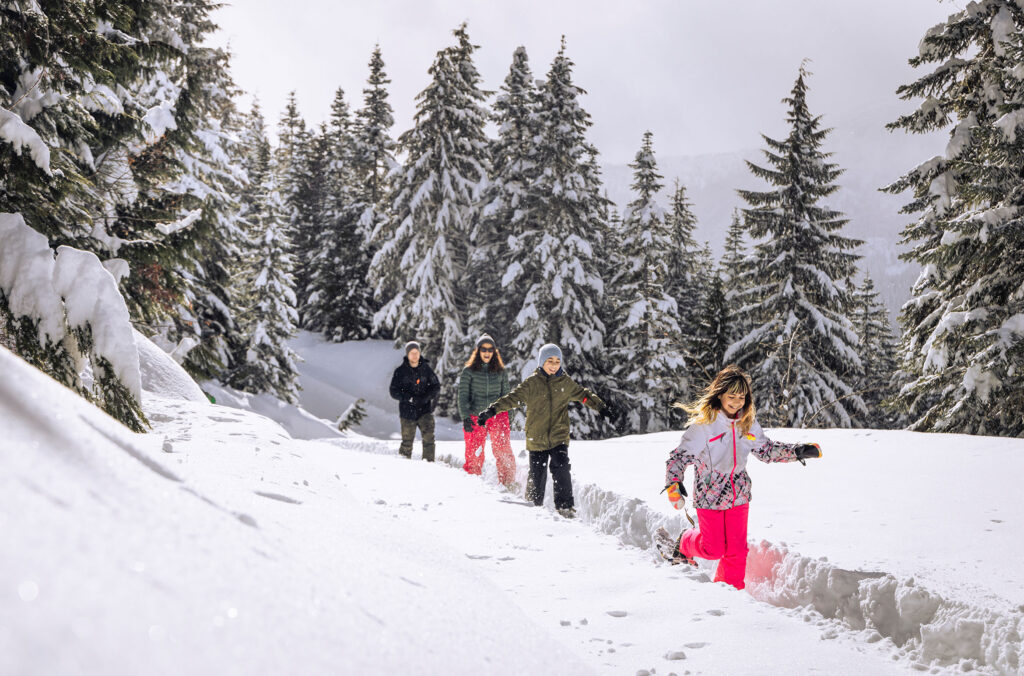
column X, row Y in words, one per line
column 548, row 351
column 412, row 344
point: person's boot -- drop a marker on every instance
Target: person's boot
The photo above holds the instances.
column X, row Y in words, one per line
column 668, row 547
column 567, row 513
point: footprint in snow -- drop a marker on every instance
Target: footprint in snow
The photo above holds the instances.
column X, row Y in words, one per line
column 675, row 655
column 695, row 645
column 716, row 612
column 277, row 496
column 478, row 557
column 617, row 613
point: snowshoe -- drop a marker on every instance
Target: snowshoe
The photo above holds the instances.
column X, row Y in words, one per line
column 668, row 547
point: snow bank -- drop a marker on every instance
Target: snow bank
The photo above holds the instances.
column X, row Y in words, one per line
column 91, row 298
column 300, row 423
column 162, row 376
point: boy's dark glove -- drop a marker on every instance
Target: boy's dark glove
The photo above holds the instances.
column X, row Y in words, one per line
column 611, row 413
column 467, row 424
column 486, row 415
column 804, row 451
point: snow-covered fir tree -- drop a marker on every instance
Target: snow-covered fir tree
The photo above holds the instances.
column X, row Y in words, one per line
column 374, row 148
column 712, row 335
column 878, row 354
column 497, row 252
column 561, row 250
column 686, row 283
column 67, row 114
column 963, row 328
column 802, row 352
column 646, row 347
column 419, row 268
column 339, row 300
column 374, row 161
column 270, row 319
column 264, row 362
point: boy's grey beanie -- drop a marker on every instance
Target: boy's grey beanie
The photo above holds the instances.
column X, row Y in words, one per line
column 548, row 351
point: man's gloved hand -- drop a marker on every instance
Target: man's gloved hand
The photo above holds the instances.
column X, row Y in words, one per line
column 467, row 424
column 485, row 415
column 676, row 491
column 804, row 451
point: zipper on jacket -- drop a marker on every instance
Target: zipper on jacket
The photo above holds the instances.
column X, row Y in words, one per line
column 732, row 473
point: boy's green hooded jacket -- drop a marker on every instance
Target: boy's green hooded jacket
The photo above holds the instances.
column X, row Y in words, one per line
column 546, row 399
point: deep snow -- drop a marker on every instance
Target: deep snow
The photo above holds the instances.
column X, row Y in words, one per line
column 217, row 543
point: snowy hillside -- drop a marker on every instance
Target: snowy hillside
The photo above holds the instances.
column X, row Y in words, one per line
column 217, row 544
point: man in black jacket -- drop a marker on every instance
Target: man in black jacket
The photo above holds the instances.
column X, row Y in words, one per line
column 416, row 387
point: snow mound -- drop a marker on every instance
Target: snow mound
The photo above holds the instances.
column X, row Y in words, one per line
column 300, row 423
column 162, row 376
column 923, row 625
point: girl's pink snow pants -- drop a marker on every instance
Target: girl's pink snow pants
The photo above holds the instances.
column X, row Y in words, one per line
column 722, row 535
column 501, row 446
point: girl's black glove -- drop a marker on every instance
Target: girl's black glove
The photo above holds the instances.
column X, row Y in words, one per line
column 485, row 415
column 804, row 451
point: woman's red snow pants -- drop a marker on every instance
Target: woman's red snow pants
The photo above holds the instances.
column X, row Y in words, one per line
column 722, row 535
column 501, row 446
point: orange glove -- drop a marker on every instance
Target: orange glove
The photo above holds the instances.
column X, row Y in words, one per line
column 675, row 492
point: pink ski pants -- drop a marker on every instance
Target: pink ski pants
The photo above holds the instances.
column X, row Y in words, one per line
column 501, row 446
column 722, row 535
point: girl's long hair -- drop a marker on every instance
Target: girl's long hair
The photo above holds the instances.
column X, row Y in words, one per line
column 733, row 380
column 475, row 362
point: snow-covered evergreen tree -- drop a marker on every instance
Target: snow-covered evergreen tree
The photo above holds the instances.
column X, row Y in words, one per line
column 687, row 283
column 496, row 255
column 878, row 354
column 339, row 301
column 712, row 335
column 567, row 211
column 802, row 352
column 263, row 361
column 646, row 347
column 419, row 268
column 963, row 353
column 64, row 110
column 270, row 319
column 374, row 148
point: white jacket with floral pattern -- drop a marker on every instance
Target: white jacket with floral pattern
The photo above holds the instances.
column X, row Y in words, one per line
column 718, row 451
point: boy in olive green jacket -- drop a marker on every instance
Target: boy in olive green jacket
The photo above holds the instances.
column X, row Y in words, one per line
column 546, row 395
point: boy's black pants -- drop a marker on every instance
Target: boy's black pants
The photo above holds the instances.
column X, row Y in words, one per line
column 558, row 458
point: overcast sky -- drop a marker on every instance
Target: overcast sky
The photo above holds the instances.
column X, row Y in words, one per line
column 704, row 76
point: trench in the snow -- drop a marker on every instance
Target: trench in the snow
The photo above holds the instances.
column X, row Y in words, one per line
column 932, row 631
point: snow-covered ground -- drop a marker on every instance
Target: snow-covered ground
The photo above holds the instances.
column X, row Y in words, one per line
column 220, row 544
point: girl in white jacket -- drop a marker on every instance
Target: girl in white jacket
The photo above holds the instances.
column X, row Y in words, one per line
column 722, row 432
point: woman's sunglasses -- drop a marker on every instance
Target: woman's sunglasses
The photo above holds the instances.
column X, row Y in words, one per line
column 488, row 350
